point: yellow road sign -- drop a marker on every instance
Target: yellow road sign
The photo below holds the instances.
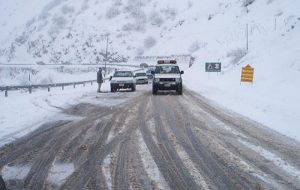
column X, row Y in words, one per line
column 247, row 74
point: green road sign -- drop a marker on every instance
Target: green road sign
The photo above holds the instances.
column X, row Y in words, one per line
column 212, row 67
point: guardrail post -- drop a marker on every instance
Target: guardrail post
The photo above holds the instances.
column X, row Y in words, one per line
column 74, row 85
column 30, row 89
column 91, row 83
column 62, row 87
column 6, row 92
column 83, row 84
column 48, row 88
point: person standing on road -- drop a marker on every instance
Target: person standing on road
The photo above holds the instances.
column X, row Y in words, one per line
column 99, row 79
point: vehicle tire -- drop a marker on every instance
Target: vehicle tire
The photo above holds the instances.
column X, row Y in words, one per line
column 179, row 91
column 133, row 88
column 112, row 89
column 154, row 91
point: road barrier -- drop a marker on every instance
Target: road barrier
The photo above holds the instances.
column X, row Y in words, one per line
column 47, row 86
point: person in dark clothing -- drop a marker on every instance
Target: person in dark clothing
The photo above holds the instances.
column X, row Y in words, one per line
column 2, row 184
column 99, row 79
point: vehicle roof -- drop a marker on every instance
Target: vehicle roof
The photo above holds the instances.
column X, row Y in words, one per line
column 123, row 71
column 166, row 64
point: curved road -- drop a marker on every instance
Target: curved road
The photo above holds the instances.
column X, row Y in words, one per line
column 152, row 142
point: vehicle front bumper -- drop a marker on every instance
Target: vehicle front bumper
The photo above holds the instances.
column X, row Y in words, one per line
column 122, row 85
column 142, row 81
column 167, row 85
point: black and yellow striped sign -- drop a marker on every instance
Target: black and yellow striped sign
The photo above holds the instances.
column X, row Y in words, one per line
column 247, row 74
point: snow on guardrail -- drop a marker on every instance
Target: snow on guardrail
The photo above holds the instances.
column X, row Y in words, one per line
column 48, row 86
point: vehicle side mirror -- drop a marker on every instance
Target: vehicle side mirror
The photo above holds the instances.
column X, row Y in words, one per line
column 152, row 72
column 181, row 72
column 110, row 77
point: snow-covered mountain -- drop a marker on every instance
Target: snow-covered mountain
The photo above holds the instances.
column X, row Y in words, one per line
column 66, row 31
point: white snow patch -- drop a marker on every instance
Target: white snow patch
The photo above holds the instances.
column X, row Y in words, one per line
column 15, row 172
column 151, row 126
column 59, row 173
column 106, row 170
column 191, row 167
column 150, row 165
column 215, row 122
column 274, row 159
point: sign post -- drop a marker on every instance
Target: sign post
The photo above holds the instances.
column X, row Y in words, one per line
column 247, row 74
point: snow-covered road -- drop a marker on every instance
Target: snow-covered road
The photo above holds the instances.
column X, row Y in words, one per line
column 150, row 142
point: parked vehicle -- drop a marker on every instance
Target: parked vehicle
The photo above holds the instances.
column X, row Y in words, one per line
column 122, row 80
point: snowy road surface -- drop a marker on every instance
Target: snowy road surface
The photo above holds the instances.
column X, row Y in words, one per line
column 152, row 142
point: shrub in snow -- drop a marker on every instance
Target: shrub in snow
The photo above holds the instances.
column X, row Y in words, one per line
column 112, row 12
column 140, row 51
column 246, row 3
column 149, row 42
column 195, row 46
column 190, row 4
column 118, row 2
column 59, row 23
column 67, row 9
column 170, row 13
column 236, row 55
column 156, row 18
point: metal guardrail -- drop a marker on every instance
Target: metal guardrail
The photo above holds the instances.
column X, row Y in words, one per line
column 48, row 86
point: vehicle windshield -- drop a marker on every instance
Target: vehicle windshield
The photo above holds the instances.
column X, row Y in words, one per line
column 123, row 74
column 140, row 74
column 169, row 69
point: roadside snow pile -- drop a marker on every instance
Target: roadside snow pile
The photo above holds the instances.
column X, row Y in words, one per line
column 22, row 113
column 44, row 75
column 273, row 98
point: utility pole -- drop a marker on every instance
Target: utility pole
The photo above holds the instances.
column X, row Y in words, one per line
column 107, row 36
column 275, row 23
column 247, row 38
column 140, row 14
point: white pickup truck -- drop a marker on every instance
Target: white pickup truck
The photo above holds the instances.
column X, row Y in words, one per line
column 122, row 80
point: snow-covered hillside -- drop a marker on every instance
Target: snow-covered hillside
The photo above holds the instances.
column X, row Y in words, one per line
column 60, row 31
column 65, row 31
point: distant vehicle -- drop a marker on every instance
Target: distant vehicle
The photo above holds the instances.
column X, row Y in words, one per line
column 167, row 76
column 144, row 65
column 141, row 78
column 149, row 72
column 122, row 80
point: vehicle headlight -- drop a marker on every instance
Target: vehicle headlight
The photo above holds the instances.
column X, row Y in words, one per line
column 178, row 79
column 156, row 80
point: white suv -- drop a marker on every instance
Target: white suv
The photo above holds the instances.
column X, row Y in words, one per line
column 167, row 76
column 122, row 80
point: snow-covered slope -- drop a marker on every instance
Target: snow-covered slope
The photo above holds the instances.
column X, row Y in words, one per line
column 60, row 31
column 66, row 31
